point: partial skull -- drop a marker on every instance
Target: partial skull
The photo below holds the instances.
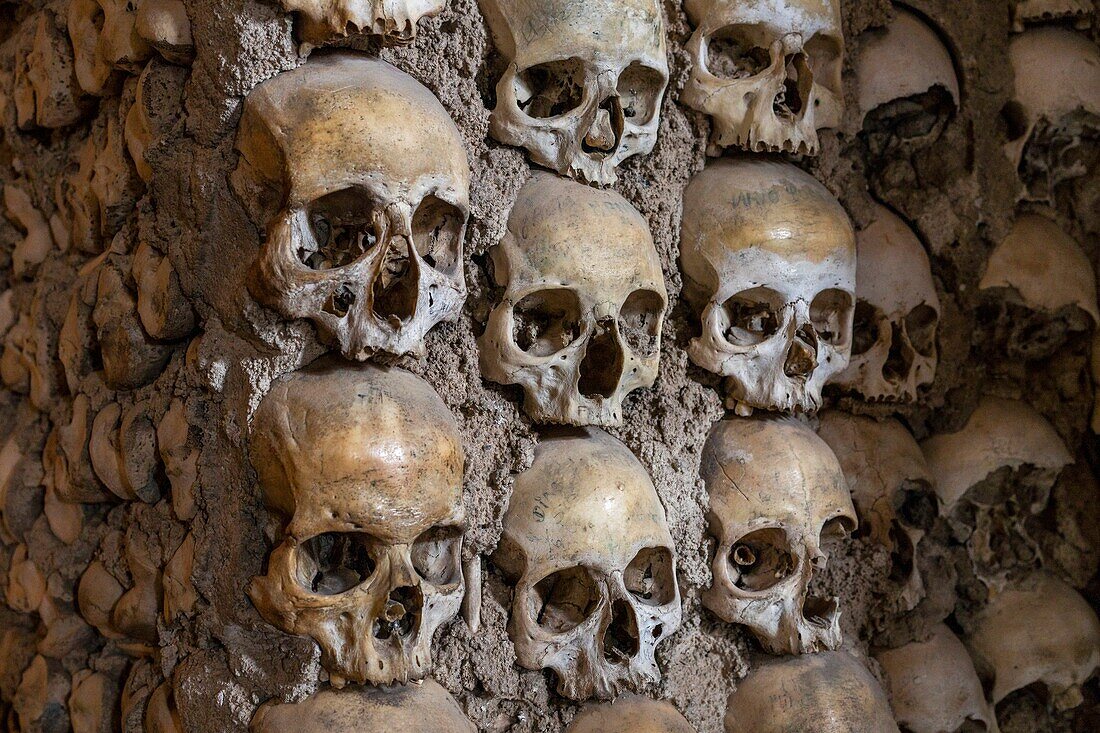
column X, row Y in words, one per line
column 897, row 314
column 106, row 43
column 365, row 227
column 934, row 688
column 778, row 499
column 584, row 83
column 394, row 20
column 630, row 714
column 588, row 547
column 44, row 91
column 830, row 692
column 776, row 302
column 1038, row 630
column 363, row 465
column 1080, row 12
column 768, row 74
column 423, row 707
column 579, row 325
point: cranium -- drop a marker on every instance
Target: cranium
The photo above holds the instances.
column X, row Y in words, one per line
column 891, row 486
column 416, row 708
column 322, row 20
column 630, row 714
column 365, row 212
column 584, row 83
column 897, row 313
column 165, row 26
column 586, row 541
column 830, row 692
column 1038, row 630
column 777, row 498
column 579, row 326
column 769, row 261
column 364, row 465
column 767, row 73
column 934, row 688
column 105, row 43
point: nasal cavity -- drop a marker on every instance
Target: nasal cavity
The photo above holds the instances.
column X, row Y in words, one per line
column 400, row 615
column 602, row 365
column 620, row 643
column 607, row 129
column 395, row 287
column 798, row 81
column 802, row 354
column 899, row 361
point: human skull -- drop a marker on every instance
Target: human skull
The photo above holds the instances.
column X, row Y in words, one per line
column 364, row 465
column 630, row 714
column 579, row 325
column 395, row 20
column 934, row 688
column 106, row 43
column 587, row 545
column 897, row 314
column 830, row 692
column 768, row 74
column 365, row 211
column 423, row 707
column 585, row 78
column 777, row 499
column 769, row 261
column 1037, row 630
column 891, row 487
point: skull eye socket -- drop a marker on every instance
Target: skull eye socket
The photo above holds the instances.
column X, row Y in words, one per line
column 563, row 600
column 753, row 316
column 920, row 326
column 649, row 577
column 436, row 554
column 836, row 530
column 640, row 92
column 864, row 328
column 825, row 54
column 334, row 562
column 551, row 89
column 437, row 233
column 545, row 322
column 829, row 312
column 761, row 559
column 640, row 320
column 343, row 230
column 738, row 51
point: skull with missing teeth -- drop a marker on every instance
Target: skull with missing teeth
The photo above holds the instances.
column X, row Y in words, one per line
column 767, row 73
column 365, row 211
column 579, row 326
column 364, row 466
column 769, row 262
column 395, row 20
column 584, row 83
column 585, row 539
column 777, row 497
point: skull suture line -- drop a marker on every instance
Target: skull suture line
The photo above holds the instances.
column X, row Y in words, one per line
column 365, row 467
column 767, row 73
column 777, row 497
column 586, row 540
column 584, row 83
column 769, row 262
column 395, row 20
column 579, row 326
column 365, row 210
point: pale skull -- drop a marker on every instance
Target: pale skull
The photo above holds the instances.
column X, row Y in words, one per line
column 423, row 707
column 769, row 262
column 586, row 542
column 778, row 498
column 106, row 43
column 584, row 83
column 394, row 20
column 934, row 688
column 365, row 212
column 830, row 692
column 768, row 74
column 364, row 467
column 630, row 714
column 891, row 487
column 897, row 314
column 579, row 325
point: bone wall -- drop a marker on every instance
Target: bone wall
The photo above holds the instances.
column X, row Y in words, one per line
column 135, row 355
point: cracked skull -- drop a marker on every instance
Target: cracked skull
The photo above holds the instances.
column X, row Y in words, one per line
column 583, row 88
column 365, row 213
column 897, row 314
column 769, row 262
column 586, row 542
column 364, row 467
column 579, row 325
column 768, row 74
column 322, row 20
column 777, row 500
